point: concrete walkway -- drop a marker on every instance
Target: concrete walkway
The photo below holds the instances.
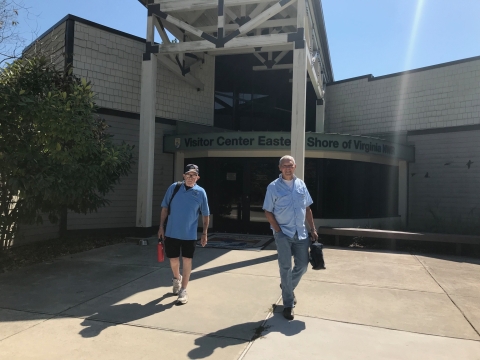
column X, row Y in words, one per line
column 116, row 303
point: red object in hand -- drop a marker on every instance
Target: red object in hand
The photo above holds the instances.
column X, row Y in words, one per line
column 160, row 253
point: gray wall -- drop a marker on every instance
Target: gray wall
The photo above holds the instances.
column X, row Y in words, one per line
column 449, row 198
column 432, row 98
column 418, row 107
column 113, row 64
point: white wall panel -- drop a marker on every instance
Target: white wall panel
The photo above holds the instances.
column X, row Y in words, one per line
column 113, row 64
column 432, row 98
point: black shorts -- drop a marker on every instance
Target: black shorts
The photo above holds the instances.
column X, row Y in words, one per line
column 173, row 246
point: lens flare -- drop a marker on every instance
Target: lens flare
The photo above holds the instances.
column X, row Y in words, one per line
column 402, row 107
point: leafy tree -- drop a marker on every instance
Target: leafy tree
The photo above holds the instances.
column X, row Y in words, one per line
column 55, row 152
column 11, row 41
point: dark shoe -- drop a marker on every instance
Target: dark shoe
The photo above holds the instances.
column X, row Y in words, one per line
column 288, row 313
column 294, row 298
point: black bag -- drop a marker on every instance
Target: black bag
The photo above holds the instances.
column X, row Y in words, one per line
column 316, row 256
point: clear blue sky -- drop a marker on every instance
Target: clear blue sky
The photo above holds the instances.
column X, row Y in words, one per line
column 376, row 37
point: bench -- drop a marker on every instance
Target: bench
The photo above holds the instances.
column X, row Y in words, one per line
column 392, row 236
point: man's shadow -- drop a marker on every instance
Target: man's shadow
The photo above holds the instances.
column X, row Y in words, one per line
column 112, row 315
column 123, row 313
column 232, row 335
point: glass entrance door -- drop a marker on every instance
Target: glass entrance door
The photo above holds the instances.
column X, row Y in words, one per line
column 229, row 208
column 237, row 192
column 261, row 173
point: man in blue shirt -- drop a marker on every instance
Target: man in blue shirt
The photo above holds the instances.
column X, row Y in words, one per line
column 287, row 206
column 181, row 233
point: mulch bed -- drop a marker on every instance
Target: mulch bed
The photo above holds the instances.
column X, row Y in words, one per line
column 48, row 250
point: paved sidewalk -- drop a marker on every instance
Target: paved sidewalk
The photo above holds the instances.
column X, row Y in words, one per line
column 116, row 303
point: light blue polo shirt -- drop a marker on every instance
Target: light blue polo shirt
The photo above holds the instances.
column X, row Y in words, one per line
column 288, row 205
column 184, row 210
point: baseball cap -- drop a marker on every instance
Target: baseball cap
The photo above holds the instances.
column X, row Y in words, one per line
column 191, row 167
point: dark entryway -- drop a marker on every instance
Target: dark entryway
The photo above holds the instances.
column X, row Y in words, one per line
column 340, row 189
column 236, row 190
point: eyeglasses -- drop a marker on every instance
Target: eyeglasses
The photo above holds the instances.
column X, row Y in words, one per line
column 288, row 166
column 191, row 176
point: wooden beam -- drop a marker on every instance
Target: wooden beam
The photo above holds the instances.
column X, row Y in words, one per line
column 248, row 42
column 299, row 94
column 173, row 67
column 146, row 145
column 262, row 17
column 161, row 30
column 150, row 29
column 314, row 77
column 274, row 67
column 280, row 56
column 266, row 24
column 260, row 58
column 175, row 31
column 190, row 5
column 258, row 9
column 230, row 14
column 181, row 24
column 285, row 47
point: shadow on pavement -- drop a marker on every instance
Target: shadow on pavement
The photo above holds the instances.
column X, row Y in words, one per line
column 95, row 289
column 123, row 313
column 452, row 258
column 237, row 265
column 206, row 347
column 111, row 315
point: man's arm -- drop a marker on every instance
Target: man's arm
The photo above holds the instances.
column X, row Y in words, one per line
column 273, row 222
column 163, row 217
column 206, row 221
column 311, row 224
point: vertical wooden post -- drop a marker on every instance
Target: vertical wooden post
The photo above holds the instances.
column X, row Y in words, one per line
column 320, row 116
column 221, row 20
column 178, row 166
column 146, row 146
column 299, row 92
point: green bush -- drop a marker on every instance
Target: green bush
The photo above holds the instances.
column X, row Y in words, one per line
column 55, row 152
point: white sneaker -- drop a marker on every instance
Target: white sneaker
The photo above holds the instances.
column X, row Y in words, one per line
column 182, row 297
column 177, row 285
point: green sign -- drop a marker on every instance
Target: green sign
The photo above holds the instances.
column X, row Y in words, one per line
column 279, row 141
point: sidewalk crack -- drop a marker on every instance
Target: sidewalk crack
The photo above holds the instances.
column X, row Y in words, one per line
column 453, row 302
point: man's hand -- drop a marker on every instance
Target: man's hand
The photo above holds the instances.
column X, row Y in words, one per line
column 204, row 240
column 314, row 235
column 161, row 233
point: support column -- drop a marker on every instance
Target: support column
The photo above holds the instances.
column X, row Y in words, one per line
column 403, row 191
column 299, row 92
column 178, row 166
column 320, row 116
column 146, row 145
